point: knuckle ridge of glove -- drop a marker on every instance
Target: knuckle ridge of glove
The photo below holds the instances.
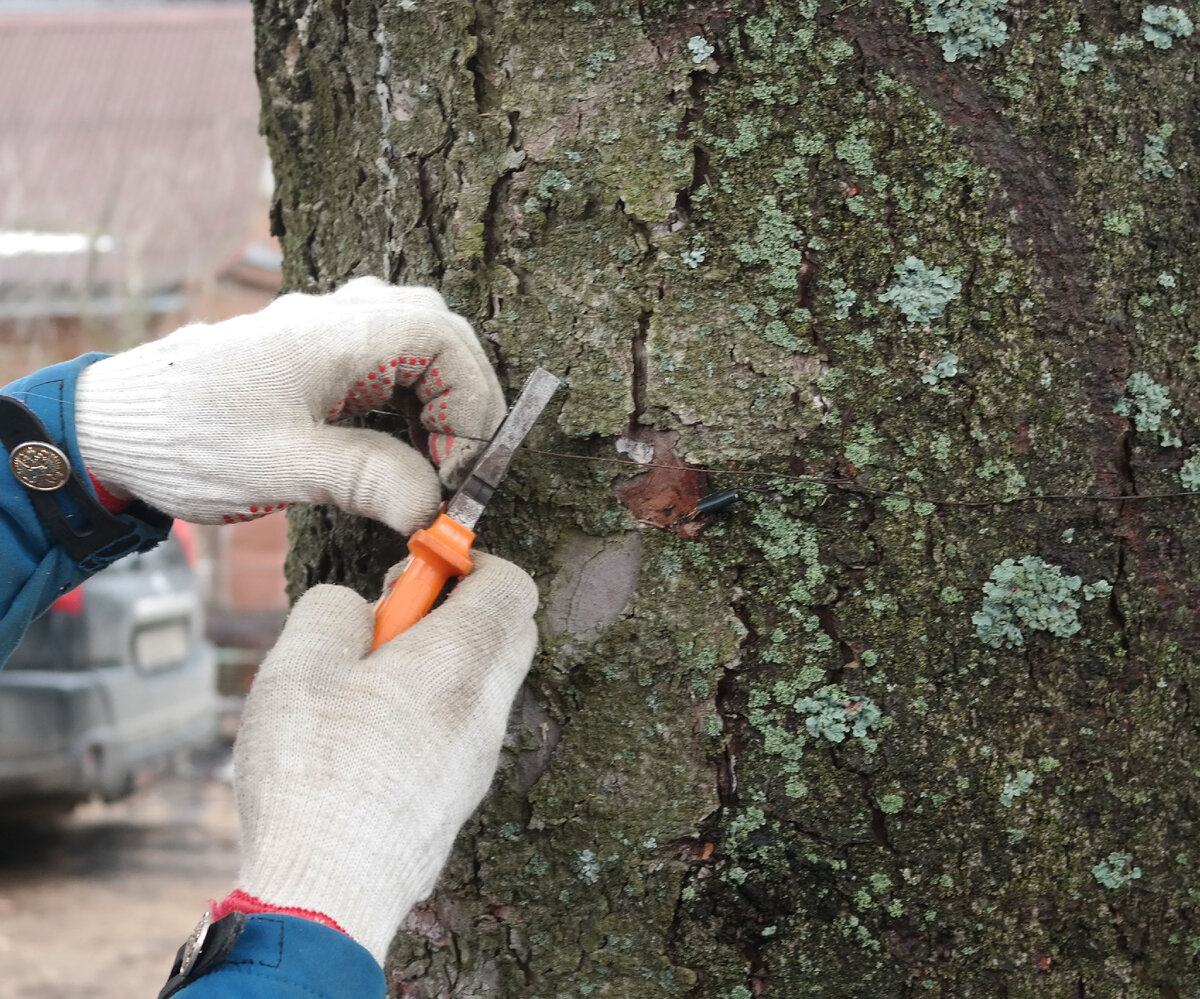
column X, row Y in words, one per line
column 326, row 613
column 496, row 582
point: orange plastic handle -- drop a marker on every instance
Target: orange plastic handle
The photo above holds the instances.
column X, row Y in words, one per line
column 439, row 553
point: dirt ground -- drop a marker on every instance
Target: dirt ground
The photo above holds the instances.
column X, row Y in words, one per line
column 96, row 903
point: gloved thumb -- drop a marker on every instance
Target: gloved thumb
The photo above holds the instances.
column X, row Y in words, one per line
column 328, row 624
column 480, row 642
column 368, row 473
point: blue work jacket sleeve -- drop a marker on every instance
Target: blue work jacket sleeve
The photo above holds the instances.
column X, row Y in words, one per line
column 34, row 570
column 276, row 956
column 286, row 957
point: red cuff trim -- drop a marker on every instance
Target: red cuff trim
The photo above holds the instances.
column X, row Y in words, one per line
column 107, row 499
column 239, row 901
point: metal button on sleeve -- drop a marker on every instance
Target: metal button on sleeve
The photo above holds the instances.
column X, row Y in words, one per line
column 194, row 946
column 40, row 466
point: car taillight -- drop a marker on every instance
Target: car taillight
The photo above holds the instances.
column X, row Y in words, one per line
column 70, row 603
column 187, row 541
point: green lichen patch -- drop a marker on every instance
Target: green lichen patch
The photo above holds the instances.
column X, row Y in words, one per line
column 1078, row 57
column 921, row 292
column 1015, row 786
column 1154, row 154
column 968, row 28
column 1189, row 473
column 776, row 242
column 834, row 715
column 945, row 366
column 699, row 49
column 1147, row 404
column 1030, row 595
column 1116, row 871
column 1162, row 25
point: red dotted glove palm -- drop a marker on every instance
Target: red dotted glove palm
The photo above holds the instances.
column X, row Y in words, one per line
column 230, row 421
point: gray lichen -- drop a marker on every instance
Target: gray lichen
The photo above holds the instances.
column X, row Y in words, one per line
column 1161, row 25
column 1030, row 595
column 921, row 292
column 968, row 27
column 1078, row 57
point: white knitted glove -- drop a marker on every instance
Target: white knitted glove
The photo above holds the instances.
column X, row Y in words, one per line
column 355, row 770
column 228, row 422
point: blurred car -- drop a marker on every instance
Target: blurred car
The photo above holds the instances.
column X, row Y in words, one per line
column 111, row 684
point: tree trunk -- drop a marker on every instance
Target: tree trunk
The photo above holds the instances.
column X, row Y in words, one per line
column 889, row 270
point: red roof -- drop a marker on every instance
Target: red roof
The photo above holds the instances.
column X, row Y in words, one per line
column 137, row 124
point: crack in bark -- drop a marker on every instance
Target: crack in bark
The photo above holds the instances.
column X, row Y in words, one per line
column 311, row 266
column 482, row 64
column 431, row 214
column 710, row 828
column 639, row 374
column 878, row 823
column 698, row 83
column 499, row 189
column 824, row 613
column 492, row 239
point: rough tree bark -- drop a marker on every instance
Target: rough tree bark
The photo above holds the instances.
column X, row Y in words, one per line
column 791, row 748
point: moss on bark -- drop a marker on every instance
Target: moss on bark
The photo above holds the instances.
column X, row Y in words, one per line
column 788, row 240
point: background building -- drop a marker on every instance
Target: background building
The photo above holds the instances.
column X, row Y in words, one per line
column 134, row 189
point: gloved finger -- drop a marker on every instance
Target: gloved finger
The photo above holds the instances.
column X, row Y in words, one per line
column 421, row 339
column 429, row 350
column 496, row 602
column 492, row 579
column 370, row 290
column 494, row 570
column 367, row 473
column 497, row 581
column 398, row 337
column 502, row 682
column 482, row 635
column 363, row 291
column 495, row 588
column 462, row 403
column 327, row 624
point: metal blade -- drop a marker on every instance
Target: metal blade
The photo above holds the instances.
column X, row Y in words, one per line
column 466, row 506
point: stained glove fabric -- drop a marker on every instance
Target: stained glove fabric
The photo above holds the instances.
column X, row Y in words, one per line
column 231, row 421
column 354, row 770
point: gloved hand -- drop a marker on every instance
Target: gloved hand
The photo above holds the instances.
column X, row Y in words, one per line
column 354, row 770
column 227, row 422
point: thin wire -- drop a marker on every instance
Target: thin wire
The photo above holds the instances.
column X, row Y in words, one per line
column 853, row 485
